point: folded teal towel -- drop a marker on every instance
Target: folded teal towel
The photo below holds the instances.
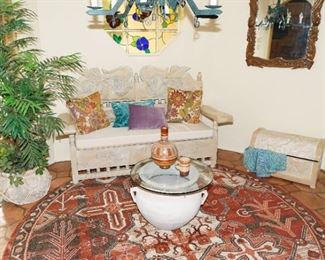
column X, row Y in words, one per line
column 264, row 162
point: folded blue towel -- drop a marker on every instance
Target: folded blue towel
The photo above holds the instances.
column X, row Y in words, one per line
column 264, row 162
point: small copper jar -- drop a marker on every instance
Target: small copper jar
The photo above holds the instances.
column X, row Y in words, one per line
column 164, row 153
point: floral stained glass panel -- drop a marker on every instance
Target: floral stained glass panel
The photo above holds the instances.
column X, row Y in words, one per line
column 143, row 33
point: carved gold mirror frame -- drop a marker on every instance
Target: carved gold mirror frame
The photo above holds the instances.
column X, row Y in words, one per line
column 304, row 62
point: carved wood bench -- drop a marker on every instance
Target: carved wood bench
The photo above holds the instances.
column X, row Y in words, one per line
column 113, row 151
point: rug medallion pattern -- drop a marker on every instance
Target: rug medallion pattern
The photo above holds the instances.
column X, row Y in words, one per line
column 242, row 218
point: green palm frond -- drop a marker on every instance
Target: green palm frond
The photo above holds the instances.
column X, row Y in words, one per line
column 22, row 43
column 67, row 62
column 13, row 25
column 15, row 126
column 33, row 152
column 15, row 18
column 51, row 122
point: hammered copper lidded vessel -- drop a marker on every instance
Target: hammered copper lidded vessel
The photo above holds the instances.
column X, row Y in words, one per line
column 164, row 153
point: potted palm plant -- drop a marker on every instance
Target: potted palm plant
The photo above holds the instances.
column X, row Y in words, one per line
column 29, row 86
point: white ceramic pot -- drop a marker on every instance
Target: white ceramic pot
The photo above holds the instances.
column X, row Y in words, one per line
column 34, row 188
column 168, row 212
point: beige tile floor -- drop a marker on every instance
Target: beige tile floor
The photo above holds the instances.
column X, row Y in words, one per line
column 11, row 215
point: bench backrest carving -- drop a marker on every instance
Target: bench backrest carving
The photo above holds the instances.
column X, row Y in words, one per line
column 123, row 84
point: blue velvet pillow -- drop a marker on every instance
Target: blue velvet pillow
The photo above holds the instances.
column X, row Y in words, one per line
column 144, row 117
column 121, row 111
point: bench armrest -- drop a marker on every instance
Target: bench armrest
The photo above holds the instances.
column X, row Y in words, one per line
column 221, row 118
column 69, row 124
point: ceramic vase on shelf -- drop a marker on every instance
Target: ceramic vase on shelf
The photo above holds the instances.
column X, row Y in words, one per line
column 164, row 153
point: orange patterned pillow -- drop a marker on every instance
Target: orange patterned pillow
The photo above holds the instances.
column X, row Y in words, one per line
column 88, row 114
column 184, row 105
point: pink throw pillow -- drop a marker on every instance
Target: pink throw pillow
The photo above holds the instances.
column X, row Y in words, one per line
column 144, row 117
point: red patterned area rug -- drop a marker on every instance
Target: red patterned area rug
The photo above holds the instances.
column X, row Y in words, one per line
column 242, row 218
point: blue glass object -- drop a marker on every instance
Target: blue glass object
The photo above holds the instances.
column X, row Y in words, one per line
column 142, row 44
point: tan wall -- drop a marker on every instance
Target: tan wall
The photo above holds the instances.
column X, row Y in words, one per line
column 279, row 99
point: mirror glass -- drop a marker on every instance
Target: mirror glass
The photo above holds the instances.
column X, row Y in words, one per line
column 282, row 33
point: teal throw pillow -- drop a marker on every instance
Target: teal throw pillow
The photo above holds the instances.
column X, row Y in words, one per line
column 121, row 111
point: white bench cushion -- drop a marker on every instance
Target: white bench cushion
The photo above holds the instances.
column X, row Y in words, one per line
column 123, row 136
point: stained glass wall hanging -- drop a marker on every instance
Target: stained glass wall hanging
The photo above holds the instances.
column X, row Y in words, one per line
column 143, row 33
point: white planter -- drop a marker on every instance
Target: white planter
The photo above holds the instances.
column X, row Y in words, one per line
column 34, row 188
column 168, row 212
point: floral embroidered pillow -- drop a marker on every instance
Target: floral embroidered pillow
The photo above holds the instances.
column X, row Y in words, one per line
column 87, row 113
column 183, row 105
